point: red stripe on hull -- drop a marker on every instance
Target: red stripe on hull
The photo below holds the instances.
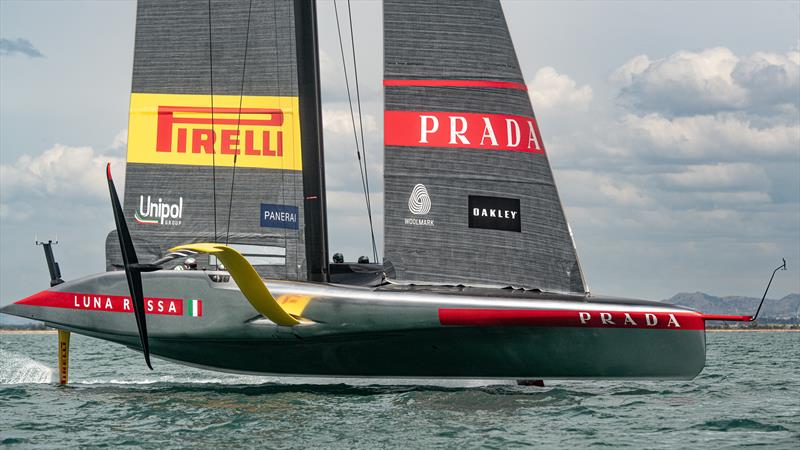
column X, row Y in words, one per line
column 679, row 320
column 729, row 318
column 102, row 302
column 458, row 83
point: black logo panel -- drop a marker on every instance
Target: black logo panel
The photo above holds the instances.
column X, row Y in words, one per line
column 494, row 213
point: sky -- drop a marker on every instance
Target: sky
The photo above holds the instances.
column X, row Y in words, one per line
column 673, row 130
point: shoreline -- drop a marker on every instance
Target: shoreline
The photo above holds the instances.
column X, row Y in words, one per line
column 9, row 331
column 741, row 330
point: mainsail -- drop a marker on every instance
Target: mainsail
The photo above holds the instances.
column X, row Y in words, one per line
column 223, row 141
column 469, row 194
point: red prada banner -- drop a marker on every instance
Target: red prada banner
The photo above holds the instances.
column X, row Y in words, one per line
column 462, row 130
column 679, row 320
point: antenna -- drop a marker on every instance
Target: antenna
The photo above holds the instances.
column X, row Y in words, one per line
column 52, row 265
column 781, row 267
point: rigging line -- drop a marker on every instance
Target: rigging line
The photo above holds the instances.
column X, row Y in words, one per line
column 355, row 132
column 213, row 140
column 350, row 102
column 238, row 122
column 283, row 160
column 361, row 126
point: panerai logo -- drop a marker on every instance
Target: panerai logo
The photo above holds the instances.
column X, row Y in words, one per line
column 419, row 203
column 152, row 212
column 280, row 216
column 494, row 213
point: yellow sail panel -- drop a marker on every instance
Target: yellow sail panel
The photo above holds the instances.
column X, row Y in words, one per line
column 177, row 129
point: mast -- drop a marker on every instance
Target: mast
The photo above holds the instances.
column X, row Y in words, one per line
column 316, row 222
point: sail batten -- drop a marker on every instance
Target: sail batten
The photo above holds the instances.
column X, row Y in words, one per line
column 459, row 127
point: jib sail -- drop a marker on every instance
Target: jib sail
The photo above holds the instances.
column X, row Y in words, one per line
column 469, row 194
column 223, row 138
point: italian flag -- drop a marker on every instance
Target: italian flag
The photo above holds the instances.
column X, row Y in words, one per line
column 194, row 307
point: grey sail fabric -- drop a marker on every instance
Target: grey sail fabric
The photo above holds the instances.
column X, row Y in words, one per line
column 174, row 166
column 469, row 193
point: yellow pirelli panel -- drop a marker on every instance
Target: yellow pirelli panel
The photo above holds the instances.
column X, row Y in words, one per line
column 177, row 129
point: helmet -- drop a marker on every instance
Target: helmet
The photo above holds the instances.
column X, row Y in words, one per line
column 190, row 263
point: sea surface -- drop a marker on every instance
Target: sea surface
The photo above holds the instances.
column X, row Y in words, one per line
column 748, row 395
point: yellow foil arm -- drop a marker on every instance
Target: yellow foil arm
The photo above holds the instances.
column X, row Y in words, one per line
column 247, row 279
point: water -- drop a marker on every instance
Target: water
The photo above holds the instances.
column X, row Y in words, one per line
column 749, row 394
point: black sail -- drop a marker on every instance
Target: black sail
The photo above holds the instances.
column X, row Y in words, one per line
column 230, row 66
column 469, row 193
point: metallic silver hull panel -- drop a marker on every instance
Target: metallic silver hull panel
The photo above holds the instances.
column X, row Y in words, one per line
column 386, row 332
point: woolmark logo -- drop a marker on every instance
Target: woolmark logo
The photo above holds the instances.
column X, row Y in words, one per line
column 152, row 212
column 419, row 203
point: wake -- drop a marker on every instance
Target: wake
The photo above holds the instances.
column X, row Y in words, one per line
column 19, row 369
column 255, row 380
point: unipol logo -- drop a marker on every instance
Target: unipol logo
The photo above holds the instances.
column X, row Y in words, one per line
column 462, row 130
column 419, row 202
column 156, row 211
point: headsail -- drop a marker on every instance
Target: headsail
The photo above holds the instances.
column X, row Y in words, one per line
column 230, row 66
column 469, row 194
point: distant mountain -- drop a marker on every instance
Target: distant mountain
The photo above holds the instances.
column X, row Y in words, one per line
column 784, row 310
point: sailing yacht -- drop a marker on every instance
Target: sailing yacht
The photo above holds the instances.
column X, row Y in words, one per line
column 225, row 164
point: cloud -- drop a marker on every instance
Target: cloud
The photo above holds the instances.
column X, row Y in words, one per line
column 340, row 122
column 341, row 162
column 708, row 81
column 120, row 141
column 718, row 177
column 550, row 90
column 15, row 212
column 654, row 142
column 588, row 188
column 22, row 46
column 724, row 137
column 770, row 78
column 61, row 171
column 698, row 160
